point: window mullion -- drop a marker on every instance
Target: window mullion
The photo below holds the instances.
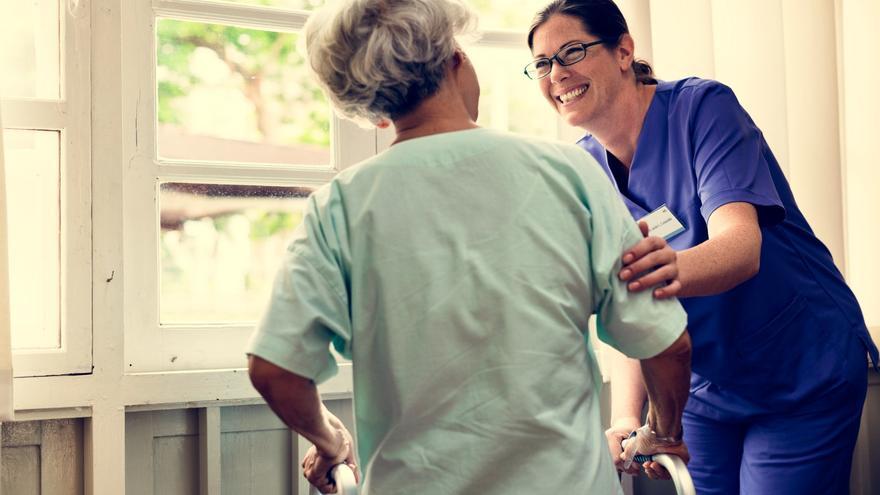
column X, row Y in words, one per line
column 245, row 174
column 76, row 189
column 502, row 39
column 256, row 17
column 35, row 114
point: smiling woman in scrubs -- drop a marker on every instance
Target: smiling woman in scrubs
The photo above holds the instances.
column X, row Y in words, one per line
column 779, row 362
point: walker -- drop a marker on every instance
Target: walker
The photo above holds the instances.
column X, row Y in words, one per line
column 684, row 485
column 345, row 481
column 346, row 485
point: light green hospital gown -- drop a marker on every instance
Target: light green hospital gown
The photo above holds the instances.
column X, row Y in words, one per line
column 458, row 272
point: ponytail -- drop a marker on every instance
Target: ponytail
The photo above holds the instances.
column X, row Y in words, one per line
column 644, row 72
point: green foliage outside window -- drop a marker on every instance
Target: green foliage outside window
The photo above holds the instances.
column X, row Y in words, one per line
column 286, row 4
column 287, row 106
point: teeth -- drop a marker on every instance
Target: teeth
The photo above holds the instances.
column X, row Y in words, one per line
column 567, row 97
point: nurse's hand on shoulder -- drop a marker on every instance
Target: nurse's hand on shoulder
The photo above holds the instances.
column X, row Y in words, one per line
column 651, row 264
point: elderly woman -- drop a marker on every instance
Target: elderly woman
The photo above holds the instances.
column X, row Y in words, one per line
column 458, row 271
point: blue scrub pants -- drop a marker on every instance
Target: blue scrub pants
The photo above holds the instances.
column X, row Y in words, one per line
column 798, row 453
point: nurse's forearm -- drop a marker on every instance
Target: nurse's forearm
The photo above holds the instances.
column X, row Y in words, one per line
column 719, row 264
column 730, row 256
column 628, row 393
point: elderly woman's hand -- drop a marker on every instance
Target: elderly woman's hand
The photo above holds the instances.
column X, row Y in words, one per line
column 651, row 264
column 317, row 464
column 615, row 435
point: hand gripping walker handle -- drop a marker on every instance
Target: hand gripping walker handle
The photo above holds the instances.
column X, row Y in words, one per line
column 343, row 476
column 684, row 485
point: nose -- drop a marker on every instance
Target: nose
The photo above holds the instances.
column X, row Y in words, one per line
column 558, row 73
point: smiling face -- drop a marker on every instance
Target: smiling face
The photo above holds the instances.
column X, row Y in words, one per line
column 584, row 92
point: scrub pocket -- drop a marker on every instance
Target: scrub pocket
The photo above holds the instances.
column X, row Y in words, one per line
column 792, row 356
column 771, row 336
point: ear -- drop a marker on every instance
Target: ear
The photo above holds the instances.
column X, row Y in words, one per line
column 383, row 124
column 458, row 58
column 624, row 52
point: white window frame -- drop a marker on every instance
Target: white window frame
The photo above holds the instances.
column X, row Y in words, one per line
column 149, row 346
column 70, row 116
column 152, row 347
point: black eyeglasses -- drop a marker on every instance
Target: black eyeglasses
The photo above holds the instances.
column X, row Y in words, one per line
column 567, row 55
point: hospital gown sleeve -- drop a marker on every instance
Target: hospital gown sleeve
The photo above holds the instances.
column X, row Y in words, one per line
column 731, row 157
column 308, row 309
column 636, row 324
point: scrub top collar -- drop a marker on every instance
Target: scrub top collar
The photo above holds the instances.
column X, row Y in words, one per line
column 652, row 131
column 650, row 136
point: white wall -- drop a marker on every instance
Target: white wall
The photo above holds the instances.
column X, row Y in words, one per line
column 806, row 71
column 859, row 29
column 803, row 69
column 779, row 56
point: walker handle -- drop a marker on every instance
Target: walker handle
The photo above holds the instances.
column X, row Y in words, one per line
column 343, row 476
column 684, row 485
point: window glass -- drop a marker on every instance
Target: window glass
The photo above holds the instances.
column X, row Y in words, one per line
column 32, row 192
column 283, row 4
column 508, row 99
column 30, row 49
column 507, row 15
column 231, row 94
column 221, row 246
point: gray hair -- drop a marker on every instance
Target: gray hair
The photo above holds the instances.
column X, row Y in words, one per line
column 379, row 59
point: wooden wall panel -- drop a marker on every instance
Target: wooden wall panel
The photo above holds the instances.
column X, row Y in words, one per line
column 162, row 452
column 176, row 465
column 21, row 470
column 42, row 457
column 256, row 463
column 255, row 452
column 172, row 452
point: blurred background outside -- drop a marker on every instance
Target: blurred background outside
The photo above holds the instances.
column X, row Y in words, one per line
column 230, row 94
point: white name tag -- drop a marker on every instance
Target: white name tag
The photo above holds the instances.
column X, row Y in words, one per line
column 662, row 223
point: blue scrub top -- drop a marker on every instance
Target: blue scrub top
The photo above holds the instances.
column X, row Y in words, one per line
column 781, row 337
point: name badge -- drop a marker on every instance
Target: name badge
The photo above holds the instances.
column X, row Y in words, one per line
column 662, row 223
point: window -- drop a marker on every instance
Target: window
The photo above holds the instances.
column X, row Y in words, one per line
column 508, row 100
column 507, row 15
column 283, row 4
column 220, row 248
column 31, row 45
column 231, row 136
column 234, row 94
column 46, row 135
column 33, row 177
